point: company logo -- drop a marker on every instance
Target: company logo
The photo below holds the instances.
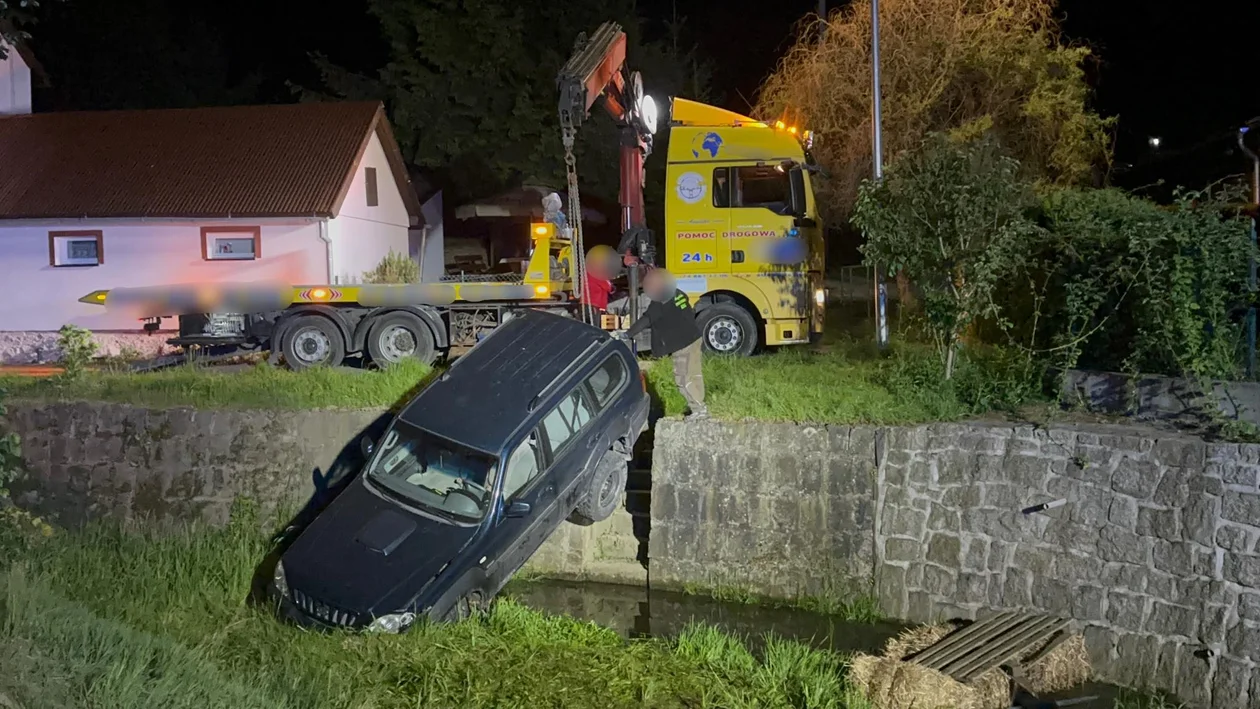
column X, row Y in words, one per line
column 696, row 235
column 691, row 187
column 709, row 143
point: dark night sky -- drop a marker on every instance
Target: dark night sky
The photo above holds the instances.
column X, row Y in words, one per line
column 1186, row 72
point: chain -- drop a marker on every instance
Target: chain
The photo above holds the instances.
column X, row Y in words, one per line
column 578, row 248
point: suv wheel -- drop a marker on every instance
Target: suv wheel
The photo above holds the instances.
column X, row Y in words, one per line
column 604, row 489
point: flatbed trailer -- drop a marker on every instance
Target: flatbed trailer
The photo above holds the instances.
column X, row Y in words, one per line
column 324, row 325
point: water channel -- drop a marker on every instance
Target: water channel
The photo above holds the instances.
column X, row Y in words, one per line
column 640, row 612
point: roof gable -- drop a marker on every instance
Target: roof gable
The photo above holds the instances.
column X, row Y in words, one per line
column 292, row 160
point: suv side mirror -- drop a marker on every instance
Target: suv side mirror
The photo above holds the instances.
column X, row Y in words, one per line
column 517, row 509
column 796, row 184
column 366, row 446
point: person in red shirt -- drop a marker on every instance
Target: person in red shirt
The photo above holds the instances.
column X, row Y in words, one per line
column 598, row 285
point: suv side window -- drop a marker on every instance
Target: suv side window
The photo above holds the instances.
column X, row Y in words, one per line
column 570, row 415
column 522, row 466
column 607, row 381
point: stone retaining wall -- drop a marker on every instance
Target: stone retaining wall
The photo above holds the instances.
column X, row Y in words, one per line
column 1155, row 551
column 89, row 461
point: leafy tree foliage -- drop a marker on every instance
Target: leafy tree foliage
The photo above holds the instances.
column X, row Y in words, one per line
column 470, row 88
column 15, row 15
column 952, row 217
column 964, row 66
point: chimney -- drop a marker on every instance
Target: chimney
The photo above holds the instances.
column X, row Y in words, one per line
column 15, row 82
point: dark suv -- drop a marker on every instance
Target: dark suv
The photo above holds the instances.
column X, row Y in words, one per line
column 535, row 425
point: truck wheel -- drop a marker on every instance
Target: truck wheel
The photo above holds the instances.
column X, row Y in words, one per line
column 604, row 489
column 399, row 336
column 728, row 329
column 312, row 341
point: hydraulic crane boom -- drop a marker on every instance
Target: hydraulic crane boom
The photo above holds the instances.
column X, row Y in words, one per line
column 598, row 69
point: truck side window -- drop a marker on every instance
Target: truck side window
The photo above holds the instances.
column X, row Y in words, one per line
column 763, row 187
column 564, row 421
column 608, row 380
column 721, row 187
column 522, row 466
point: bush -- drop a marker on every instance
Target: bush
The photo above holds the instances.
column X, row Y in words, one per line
column 1122, row 284
column 394, row 268
column 951, row 216
column 77, row 349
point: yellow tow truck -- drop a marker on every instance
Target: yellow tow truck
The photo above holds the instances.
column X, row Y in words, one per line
column 742, row 237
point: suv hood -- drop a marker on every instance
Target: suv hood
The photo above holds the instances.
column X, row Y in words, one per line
column 369, row 555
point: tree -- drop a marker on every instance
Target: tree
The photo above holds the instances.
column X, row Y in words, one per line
column 470, row 89
column 951, row 216
column 14, row 16
column 963, row 66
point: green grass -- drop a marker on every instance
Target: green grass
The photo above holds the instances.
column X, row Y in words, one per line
column 108, row 618
column 856, row 606
column 259, row 386
column 844, row 381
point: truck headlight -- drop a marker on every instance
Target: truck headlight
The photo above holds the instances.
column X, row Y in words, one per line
column 392, row 623
column 279, row 580
column 820, row 296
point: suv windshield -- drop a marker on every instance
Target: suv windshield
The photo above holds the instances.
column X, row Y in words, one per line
column 436, row 474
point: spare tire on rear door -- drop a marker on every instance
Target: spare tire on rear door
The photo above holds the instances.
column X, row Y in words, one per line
column 399, row 336
column 603, row 490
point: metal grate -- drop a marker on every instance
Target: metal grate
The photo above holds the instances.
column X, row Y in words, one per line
column 992, row 642
column 322, row 611
column 483, row 278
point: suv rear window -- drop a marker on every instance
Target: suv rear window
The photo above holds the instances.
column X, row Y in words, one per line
column 608, row 380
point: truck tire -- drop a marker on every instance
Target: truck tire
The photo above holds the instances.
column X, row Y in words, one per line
column 604, row 489
column 728, row 329
column 312, row 341
column 399, row 336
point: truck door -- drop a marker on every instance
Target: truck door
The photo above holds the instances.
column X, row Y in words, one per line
column 760, row 212
column 696, row 218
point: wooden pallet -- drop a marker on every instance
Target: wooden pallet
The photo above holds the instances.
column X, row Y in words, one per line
column 1006, row 640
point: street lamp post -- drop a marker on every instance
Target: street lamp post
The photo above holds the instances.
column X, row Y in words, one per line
column 1251, row 276
column 877, row 145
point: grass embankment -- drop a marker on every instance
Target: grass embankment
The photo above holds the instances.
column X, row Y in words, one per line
column 106, row 618
column 843, row 381
column 112, row 619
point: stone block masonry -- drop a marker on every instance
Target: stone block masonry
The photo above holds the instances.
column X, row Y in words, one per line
column 782, row 510
column 1154, row 553
column 1156, row 550
column 88, row 461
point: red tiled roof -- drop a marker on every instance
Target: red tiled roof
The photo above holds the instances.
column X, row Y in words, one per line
column 241, row 161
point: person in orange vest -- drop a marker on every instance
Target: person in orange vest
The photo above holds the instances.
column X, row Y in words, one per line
column 601, row 262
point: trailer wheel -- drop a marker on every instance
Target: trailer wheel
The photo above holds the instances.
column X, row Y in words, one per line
column 399, row 336
column 728, row 329
column 312, row 341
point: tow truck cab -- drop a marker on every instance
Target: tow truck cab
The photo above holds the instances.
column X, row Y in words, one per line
column 742, row 233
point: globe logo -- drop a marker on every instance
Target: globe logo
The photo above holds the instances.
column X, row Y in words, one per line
column 706, row 143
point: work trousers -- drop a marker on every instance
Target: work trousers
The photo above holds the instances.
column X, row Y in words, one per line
column 689, row 376
column 592, row 314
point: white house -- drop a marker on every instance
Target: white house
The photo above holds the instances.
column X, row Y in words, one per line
column 304, row 193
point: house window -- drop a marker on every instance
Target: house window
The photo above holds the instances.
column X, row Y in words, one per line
column 75, row 248
column 369, row 175
column 236, row 243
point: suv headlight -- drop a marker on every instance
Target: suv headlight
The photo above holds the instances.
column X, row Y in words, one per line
column 279, row 580
column 392, row 623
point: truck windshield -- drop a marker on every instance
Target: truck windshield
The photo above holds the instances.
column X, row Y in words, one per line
column 438, row 475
